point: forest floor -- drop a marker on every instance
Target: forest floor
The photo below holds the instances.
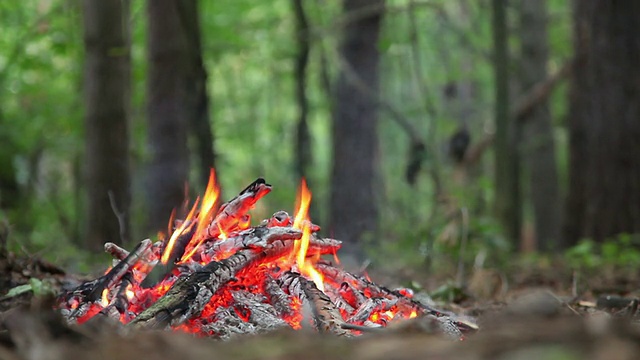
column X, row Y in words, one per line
column 527, row 312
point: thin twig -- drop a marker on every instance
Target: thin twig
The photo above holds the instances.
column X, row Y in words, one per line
column 396, row 114
column 464, row 237
column 120, row 215
column 540, row 92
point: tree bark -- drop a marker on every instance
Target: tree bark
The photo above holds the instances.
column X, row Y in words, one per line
column 539, row 152
column 197, row 94
column 507, row 194
column 604, row 108
column 107, row 97
column 167, row 111
column 353, row 208
column 303, row 137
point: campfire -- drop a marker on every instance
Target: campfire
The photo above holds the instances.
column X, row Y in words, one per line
column 216, row 275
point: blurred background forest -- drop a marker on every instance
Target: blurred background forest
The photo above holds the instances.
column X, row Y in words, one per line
column 430, row 131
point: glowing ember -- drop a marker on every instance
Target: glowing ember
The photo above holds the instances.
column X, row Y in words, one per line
column 130, row 294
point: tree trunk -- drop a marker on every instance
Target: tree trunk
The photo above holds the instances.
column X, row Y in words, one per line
column 107, row 98
column 353, row 209
column 539, row 152
column 197, row 94
column 167, row 110
column 505, row 147
column 604, row 172
column 303, row 138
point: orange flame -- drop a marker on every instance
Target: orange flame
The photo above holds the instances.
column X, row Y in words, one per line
column 206, row 214
column 302, row 246
column 184, row 227
column 130, row 293
column 105, row 299
column 223, row 235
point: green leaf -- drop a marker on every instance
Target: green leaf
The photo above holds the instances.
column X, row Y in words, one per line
column 18, row 290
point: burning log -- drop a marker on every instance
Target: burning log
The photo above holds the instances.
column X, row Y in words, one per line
column 189, row 294
column 253, row 238
column 260, row 313
column 232, row 213
column 366, row 310
column 120, row 302
column 117, row 272
column 351, row 295
column 93, row 290
column 373, row 290
column 326, row 316
column 229, row 217
column 278, row 298
column 116, row 251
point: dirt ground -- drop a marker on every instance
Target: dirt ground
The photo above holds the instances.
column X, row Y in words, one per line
column 527, row 313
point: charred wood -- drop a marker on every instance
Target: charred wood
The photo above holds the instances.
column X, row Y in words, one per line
column 374, row 290
column 232, row 212
column 326, row 316
column 369, row 307
column 91, row 291
column 116, row 251
column 278, row 298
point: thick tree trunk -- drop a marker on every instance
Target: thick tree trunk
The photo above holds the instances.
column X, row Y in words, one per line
column 505, row 147
column 303, row 138
column 353, row 209
column 604, row 126
column 539, row 148
column 107, row 91
column 167, row 110
column 197, row 94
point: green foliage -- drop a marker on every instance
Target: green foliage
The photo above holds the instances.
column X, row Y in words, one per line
column 39, row 288
column 249, row 50
column 449, row 293
column 619, row 252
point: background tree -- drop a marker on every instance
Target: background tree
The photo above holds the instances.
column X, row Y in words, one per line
column 538, row 143
column 177, row 101
column 507, row 179
column 353, row 210
column 197, row 93
column 107, row 93
column 604, row 104
column 303, row 137
column 436, row 78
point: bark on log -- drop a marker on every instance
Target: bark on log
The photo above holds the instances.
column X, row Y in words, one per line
column 374, row 290
column 369, row 307
column 326, row 316
column 232, row 212
column 108, row 280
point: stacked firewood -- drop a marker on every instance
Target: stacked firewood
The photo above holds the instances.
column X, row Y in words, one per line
column 217, row 276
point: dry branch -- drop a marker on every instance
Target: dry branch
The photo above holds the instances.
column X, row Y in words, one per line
column 540, row 92
column 108, row 280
